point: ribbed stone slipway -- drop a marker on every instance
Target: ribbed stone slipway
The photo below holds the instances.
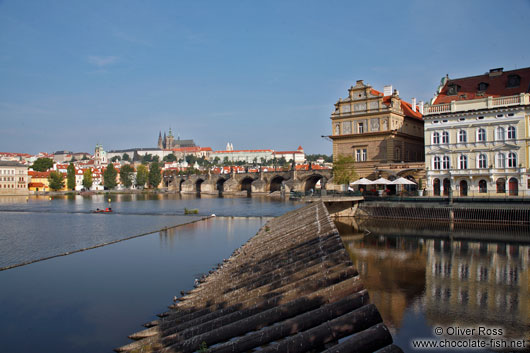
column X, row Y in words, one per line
column 291, row 288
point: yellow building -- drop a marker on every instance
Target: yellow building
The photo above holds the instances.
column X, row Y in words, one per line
column 383, row 133
column 13, row 178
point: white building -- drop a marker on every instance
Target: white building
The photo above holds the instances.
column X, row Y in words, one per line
column 476, row 135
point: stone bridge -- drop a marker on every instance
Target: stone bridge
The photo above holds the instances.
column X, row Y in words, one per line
column 248, row 183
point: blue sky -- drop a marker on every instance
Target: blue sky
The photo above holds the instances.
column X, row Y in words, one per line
column 260, row 74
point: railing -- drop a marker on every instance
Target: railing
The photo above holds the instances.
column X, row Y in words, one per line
column 511, row 100
column 438, row 108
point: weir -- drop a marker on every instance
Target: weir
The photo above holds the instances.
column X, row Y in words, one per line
column 290, row 288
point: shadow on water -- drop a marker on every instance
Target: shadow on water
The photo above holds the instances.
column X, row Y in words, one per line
column 424, row 274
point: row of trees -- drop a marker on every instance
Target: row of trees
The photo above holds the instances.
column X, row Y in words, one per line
column 151, row 176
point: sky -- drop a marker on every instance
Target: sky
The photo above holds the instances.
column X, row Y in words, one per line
column 258, row 74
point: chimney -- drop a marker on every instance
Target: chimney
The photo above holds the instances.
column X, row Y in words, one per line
column 387, row 90
column 496, row 72
column 421, row 107
column 396, row 93
column 413, row 104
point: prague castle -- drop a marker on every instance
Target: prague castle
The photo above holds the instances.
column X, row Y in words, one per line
column 168, row 142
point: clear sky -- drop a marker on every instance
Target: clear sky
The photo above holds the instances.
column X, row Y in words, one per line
column 260, row 74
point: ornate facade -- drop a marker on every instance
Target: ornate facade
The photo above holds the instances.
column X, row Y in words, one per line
column 383, row 133
column 476, row 135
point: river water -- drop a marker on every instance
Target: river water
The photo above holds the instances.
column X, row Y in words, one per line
column 91, row 301
column 420, row 280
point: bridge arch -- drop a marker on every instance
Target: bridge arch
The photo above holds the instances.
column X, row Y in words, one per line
column 198, row 184
column 276, row 183
column 246, row 185
column 219, row 185
column 311, row 181
column 180, row 182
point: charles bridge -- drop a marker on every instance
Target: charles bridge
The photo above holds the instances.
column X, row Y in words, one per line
column 249, row 183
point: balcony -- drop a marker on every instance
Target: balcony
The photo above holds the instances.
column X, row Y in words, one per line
column 477, row 104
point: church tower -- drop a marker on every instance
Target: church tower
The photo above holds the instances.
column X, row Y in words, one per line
column 170, row 139
column 160, row 140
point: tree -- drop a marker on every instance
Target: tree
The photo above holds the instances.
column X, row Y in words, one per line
column 115, row 158
column 216, row 160
column 154, row 175
column 344, row 170
column 87, row 179
column 56, row 180
column 141, row 175
column 109, row 177
column 85, row 158
column 73, row 159
column 126, row 173
column 314, row 157
column 126, row 157
column 146, row 158
column 42, row 164
column 70, row 177
column 170, row 158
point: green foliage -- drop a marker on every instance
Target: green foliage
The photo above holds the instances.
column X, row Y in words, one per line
column 147, row 158
column 170, row 158
column 56, row 180
column 70, row 177
column 216, row 160
column 314, row 157
column 420, row 184
column 109, row 177
column 154, row 175
column 115, row 158
column 141, row 175
column 192, row 211
column 42, row 164
column 344, row 170
column 73, row 159
column 87, row 179
column 85, row 158
column 136, row 157
column 126, row 173
column 126, row 157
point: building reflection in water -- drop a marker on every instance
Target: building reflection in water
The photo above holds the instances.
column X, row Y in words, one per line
column 457, row 282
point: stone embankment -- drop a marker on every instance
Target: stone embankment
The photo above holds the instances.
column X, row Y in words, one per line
column 291, row 288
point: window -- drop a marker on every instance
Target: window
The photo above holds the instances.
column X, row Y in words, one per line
column 453, row 90
column 482, row 186
column 482, row 161
column 462, row 162
column 436, row 138
column 482, row 86
column 513, row 81
column 481, row 135
column 512, row 160
column 360, row 128
column 445, row 137
column 436, row 164
column 511, row 133
column 445, row 162
column 500, row 134
column 501, row 186
column 501, row 160
column 360, row 155
column 480, row 118
column 462, row 136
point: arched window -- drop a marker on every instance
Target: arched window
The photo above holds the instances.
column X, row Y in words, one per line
column 462, row 162
column 500, row 134
column 482, row 186
column 445, row 163
column 436, row 162
column 511, row 133
column 445, row 137
column 501, row 160
column 482, row 161
column 501, row 186
column 435, row 138
column 481, row 135
column 462, row 136
column 436, row 186
column 512, row 160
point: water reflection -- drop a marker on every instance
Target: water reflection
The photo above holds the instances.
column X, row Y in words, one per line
column 449, row 281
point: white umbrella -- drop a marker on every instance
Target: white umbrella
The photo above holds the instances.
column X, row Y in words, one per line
column 402, row 181
column 381, row 181
column 362, row 181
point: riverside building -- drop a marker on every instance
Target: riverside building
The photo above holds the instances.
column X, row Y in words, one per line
column 476, row 135
column 382, row 132
column 13, row 178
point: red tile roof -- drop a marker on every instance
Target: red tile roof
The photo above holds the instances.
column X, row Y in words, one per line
column 35, row 174
column 468, row 86
column 35, row 185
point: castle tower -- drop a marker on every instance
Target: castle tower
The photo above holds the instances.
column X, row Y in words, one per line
column 170, row 139
column 164, row 143
column 160, row 145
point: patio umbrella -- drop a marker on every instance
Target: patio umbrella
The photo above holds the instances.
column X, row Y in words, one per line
column 362, row 181
column 402, row 181
column 381, row 181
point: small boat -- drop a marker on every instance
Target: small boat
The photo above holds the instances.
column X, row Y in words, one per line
column 106, row 210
